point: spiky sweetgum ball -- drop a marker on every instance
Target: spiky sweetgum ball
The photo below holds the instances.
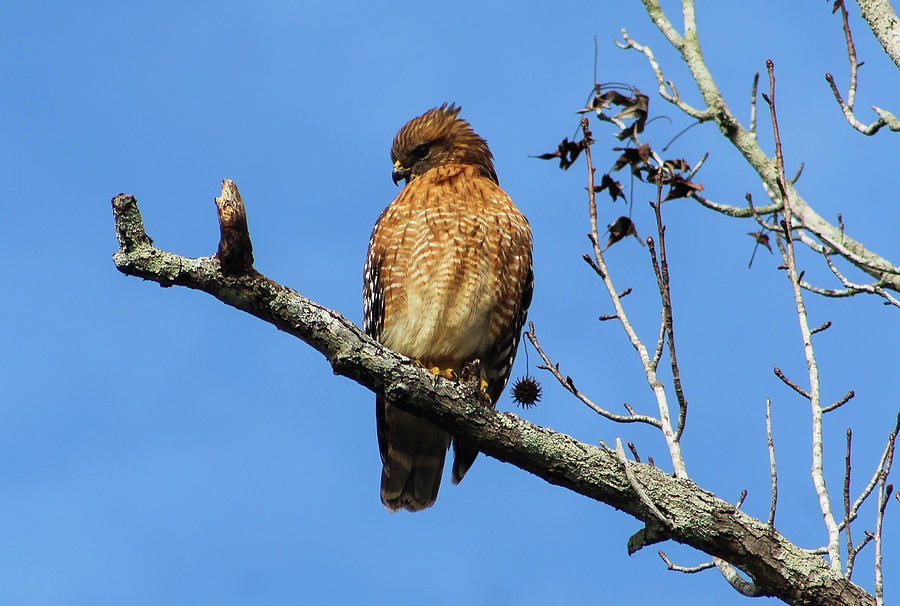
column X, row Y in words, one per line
column 526, row 392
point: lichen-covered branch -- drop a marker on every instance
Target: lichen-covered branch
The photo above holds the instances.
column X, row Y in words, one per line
column 699, row 519
column 882, row 19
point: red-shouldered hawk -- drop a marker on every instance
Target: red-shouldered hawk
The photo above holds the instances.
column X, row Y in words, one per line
column 447, row 281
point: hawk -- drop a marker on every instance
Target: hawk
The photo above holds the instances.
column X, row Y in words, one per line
column 447, row 281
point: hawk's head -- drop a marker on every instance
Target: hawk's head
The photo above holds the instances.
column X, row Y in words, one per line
column 435, row 138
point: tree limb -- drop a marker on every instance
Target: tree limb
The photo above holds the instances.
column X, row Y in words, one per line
column 699, row 519
column 884, row 24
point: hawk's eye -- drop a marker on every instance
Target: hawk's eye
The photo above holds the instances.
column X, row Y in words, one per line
column 419, row 152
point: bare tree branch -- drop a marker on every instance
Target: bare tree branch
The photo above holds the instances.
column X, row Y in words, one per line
column 818, row 475
column 661, row 269
column 884, row 494
column 773, row 472
column 851, row 559
column 698, row 518
column 685, row 569
column 735, row 211
column 672, row 98
column 837, row 404
column 745, row 142
column 849, row 570
column 875, row 288
column 742, row 586
column 885, row 118
column 752, row 127
column 656, row 385
column 569, row 385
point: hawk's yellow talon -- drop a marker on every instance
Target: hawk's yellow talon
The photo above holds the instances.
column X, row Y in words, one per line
column 447, row 373
column 483, row 390
column 437, row 371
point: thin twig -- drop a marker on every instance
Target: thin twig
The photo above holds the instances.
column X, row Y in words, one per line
column 884, row 118
column 851, row 54
column 569, row 385
column 678, row 466
column 790, row 383
column 752, row 128
column 849, row 569
column 875, row 288
column 854, row 509
column 884, row 493
column 821, row 327
column 663, row 311
column 827, row 292
column 756, row 212
column 673, row 98
column 734, row 211
column 665, row 294
column 697, row 166
column 851, row 559
column 835, row 405
column 685, row 569
column 818, row 476
column 772, row 471
column 799, row 172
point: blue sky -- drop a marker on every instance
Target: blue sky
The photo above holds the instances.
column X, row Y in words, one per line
column 161, row 448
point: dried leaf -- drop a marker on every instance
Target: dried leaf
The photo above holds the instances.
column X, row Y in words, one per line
column 567, row 152
column 636, row 157
column 761, row 238
column 614, row 188
column 679, row 187
column 636, row 109
column 629, row 132
column 677, row 166
column 610, row 97
column 618, row 229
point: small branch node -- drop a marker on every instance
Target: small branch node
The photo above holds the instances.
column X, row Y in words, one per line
column 824, row 326
column 235, row 252
column 790, row 383
column 634, row 451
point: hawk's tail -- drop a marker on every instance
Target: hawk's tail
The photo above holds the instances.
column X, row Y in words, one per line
column 412, row 454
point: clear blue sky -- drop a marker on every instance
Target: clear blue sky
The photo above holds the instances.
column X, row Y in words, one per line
column 157, row 447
